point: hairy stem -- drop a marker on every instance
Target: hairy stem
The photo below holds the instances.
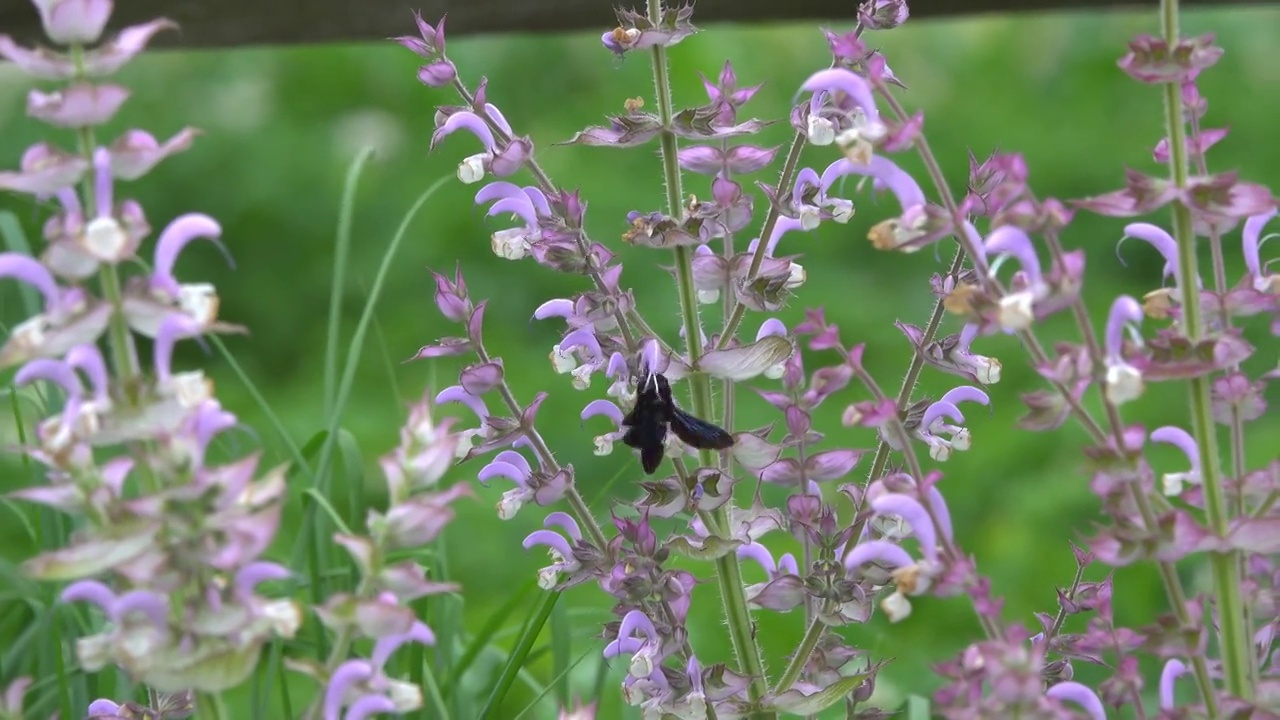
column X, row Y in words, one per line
column 785, row 180
column 728, row 573
column 1233, row 636
column 812, row 635
column 548, row 461
column 124, row 360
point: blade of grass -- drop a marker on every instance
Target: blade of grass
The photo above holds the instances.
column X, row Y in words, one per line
column 353, row 474
column 341, row 250
column 433, row 691
column 356, row 348
column 532, row 628
column 482, row 639
column 561, row 649
column 561, row 679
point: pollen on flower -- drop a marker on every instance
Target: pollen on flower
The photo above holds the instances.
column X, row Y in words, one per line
column 29, row 335
column 708, row 297
column 892, row 234
column 641, row 664
column 510, row 504
column 1016, row 311
column 988, row 370
column 200, row 301
column 105, row 239
column 1157, row 303
column 939, row 449
column 465, row 443
column 548, row 577
column 821, row 131
column 510, row 244
column 633, row 104
column 796, row 276
column 1171, row 483
column 581, row 377
column 604, row 445
column 961, row 439
column 842, row 212
column 190, row 388
column 284, row 617
column 896, row 607
column 406, row 697
column 851, row 416
column 809, row 217
column 1123, row 383
column 854, row 146
column 471, row 169
column 562, row 361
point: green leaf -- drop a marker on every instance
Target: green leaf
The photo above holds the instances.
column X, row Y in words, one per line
column 515, row 661
column 794, row 702
column 713, row 547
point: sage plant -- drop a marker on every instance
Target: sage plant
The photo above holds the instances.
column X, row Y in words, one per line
column 884, row 541
column 169, row 542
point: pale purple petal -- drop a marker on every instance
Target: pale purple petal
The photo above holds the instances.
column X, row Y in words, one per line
column 348, row 674
column 31, row 272
column 564, row 521
column 603, row 407
column 514, row 458
column 1080, row 695
column 1162, row 242
column 857, row 88
column 772, row 326
column 498, row 468
column 782, row 227
column 254, row 574
column 914, row 513
column 559, row 307
column 1011, row 240
column 368, row 706
column 1180, row 439
column 102, row 182
column 886, row 174
column 1173, row 669
column 50, row 370
column 87, row 358
column 458, row 394
column 151, row 605
column 1250, row 240
column 881, row 551
column 1124, row 310
column 551, row 539
column 760, row 554
column 468, row 121
column 176, row 235
column 90, row 591
column 583, row 338
column 173, row 328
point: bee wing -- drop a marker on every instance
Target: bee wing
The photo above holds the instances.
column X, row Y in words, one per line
column 698, row 433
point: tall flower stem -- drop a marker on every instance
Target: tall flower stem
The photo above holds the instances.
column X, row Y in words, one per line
column 123, row 359
column 728, row 573
column 810, row 641
column 1234, row 642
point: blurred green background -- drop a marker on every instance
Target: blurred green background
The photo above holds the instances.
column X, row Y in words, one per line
column 281, row 126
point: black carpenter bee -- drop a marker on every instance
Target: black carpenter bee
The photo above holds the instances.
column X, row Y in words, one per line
column 654, row 411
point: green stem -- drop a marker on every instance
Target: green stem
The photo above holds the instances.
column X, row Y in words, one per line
column 124, row 361
column 1233, row 636
column 728, row 573
column 810, row 641
column 211, row 707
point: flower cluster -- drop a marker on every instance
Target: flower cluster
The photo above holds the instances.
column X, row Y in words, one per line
column 169, row 539
column 881, row 543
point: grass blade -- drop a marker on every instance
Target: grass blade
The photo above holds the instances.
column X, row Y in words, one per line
column 485, row 636
column 515, row 661
column 341, row 250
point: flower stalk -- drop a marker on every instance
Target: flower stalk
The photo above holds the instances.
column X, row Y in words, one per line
column 1233, row 635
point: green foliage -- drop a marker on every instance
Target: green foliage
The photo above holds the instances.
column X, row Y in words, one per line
column 282, row 128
